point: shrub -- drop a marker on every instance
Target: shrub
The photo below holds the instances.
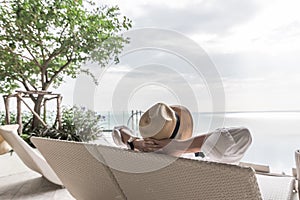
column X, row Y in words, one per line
column 82, row 123
column 78, row 124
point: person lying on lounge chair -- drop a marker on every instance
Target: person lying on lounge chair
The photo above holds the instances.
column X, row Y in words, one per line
column 168, row 129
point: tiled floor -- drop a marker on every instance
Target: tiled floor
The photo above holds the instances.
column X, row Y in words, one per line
column 17, row 182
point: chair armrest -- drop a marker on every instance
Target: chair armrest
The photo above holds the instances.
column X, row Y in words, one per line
column 256, row 167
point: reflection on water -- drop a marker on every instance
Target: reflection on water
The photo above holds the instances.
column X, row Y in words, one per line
column 275, row 135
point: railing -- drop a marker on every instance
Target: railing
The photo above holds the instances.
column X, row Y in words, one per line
column 130, row 119
column 134, row 119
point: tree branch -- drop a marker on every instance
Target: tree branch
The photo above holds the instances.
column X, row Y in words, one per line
column 67, row 24
column 19, row 72
column 57, row 51
column 22, row 56
column 46, row 63
column 28, row 89
column 27, row 48
column 46, row 75
column 59, row 71
column 41, row 46
column 24, row 79
column 33, row 57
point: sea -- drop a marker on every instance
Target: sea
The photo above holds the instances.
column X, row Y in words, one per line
column 275, row 134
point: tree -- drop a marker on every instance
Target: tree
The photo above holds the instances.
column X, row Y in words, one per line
column 43, row 41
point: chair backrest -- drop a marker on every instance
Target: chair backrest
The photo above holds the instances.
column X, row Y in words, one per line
column 81, row 173
column 99, row 172
column 27, row 154
column 166, row 177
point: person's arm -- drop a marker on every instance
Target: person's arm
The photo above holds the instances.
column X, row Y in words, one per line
column 173, row 146
column 139, row 144
column 168, row 146
column 194, row 144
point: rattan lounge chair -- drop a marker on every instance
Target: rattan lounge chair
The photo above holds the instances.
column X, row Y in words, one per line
column 91, row 171
column 31, row 158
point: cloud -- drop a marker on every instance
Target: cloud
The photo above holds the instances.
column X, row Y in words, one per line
column 255, row 64
column 254, row 45
column 208, row 16
column 281, row 38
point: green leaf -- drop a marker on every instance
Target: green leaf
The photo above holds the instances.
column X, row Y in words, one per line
column 47, row 34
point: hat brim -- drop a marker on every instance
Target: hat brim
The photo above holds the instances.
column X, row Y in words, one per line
column 185, row 130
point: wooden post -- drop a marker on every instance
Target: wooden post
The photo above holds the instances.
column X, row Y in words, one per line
column 7, row 113
column 59, row 99
column 19, row 113
column 34, row 113
column 45, row 110
column 27, row 94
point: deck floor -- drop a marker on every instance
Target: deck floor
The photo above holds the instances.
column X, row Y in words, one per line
column 17, row 182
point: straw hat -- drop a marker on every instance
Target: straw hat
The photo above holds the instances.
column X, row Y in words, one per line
column 162, row 121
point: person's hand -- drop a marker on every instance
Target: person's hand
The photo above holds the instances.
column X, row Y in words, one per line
column 167, row 146
column 145, row 145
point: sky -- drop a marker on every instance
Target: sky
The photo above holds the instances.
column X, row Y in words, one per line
column 254, row 45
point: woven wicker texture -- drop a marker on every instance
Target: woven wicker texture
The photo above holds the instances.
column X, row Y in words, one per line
column 277, row 187
column 28, row 155
column 83, row 170
column 183, row 179
column 84, row 176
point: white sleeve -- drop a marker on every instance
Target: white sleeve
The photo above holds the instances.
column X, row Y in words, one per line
column 227, row 145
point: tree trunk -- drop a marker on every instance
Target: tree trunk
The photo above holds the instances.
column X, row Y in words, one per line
column 7, row 113
column 59, row 99
column 19, row 114
column 37, row 109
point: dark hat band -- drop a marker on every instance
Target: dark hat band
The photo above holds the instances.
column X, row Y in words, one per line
column 176, row 127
